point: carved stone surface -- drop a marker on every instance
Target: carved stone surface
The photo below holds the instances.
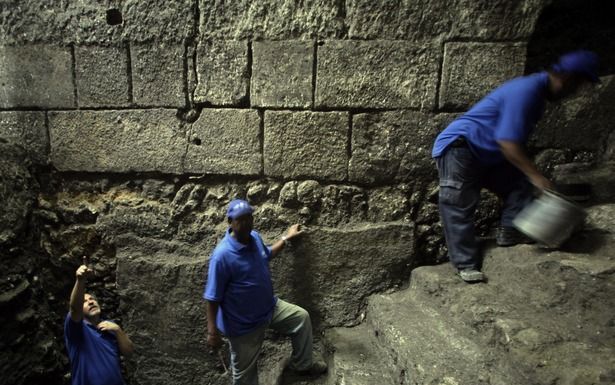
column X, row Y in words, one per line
column 394, row 146
column 306, row 144
column 26, row 129
column 36, row 76
column 158, row 74
column 282, row 74
column 471, row 70
column 376, row 74
column 222, row 72
column 102, row 76
column 117, row 141
column 225, row 141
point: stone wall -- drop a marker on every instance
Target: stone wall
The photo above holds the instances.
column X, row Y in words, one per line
column 142, row 119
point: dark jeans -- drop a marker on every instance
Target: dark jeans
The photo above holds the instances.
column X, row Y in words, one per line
column 461, row 178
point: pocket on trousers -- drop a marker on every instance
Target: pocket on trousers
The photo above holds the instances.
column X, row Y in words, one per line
column 452, row 193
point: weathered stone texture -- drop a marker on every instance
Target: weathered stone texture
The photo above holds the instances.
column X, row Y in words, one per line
column 376, row 74
column 282, row 74
column 117, row 141
column 277, row 20
column 225, row 141
column 26, row 129
column 36, row 76
column 306, row 144
column 424, row 20
column 85, row 22
column 580, row 123
column 471, row 70
column 158, row 74
column 339, row 268
column 394, row 146
column 102, row 76
column 222, row 72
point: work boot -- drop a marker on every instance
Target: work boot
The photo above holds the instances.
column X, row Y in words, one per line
column 471, row 275
column 509, row 236
column 318, row 367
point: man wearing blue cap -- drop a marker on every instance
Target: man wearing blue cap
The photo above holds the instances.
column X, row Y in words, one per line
column 485, row 148
column 241, row 304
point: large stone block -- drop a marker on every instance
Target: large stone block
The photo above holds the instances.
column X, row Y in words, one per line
column 26, row 129
column 306, row 144
column 222, row 72
column 36, row 76
column 117, row 141
column 394, row 146
column 165, row 300
column 276, row 20
column 583, row 122
column 376, row 74
column 471, row 70
column 331, row 271
column 158, row 77
column 92, row 22
column 225, row 141
column 425, row 20
column 282, row 74
column 102, row 76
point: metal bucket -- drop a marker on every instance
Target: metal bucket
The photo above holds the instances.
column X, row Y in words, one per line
column 550, row 219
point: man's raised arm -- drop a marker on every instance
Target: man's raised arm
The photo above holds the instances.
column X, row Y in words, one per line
column 78, row 293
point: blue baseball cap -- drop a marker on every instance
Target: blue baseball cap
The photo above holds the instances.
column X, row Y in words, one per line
column 584, row 63
column 237, row 208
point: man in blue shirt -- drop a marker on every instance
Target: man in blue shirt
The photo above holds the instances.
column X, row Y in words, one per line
column 93, row 345
column 485, row 148
column 241, row 304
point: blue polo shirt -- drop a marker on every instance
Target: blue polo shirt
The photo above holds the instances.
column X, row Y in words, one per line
column 240, row 281
column 509, row 113
column 94, row 355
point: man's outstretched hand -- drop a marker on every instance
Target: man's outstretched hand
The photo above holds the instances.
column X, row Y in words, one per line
column 83, row 272
column 293, row 231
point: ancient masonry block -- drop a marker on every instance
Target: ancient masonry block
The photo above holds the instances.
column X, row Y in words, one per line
column 117, row 141
column 26, row 129
column 158, row 74
column 393, row 146
column 225, row 141
column 306, row 144
column 282, row 74
column 270, row 19
column 376, row 74
column 424, row 20
column 222, row 72
column 102, row 76
column 36, row 76
column 471, row 70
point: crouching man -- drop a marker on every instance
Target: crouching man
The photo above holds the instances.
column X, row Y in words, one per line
column 94, row 346
column 241, row 304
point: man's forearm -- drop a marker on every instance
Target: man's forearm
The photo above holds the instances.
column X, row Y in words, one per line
column 212, row 311
column 124, row 343
column 515, row 154
column 76, row 300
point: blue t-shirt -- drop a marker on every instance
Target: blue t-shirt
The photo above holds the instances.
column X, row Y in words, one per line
column 94, row 355
column 509, row 113
column 240, row 281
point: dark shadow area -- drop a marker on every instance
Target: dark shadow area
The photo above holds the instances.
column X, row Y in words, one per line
column 573, row 24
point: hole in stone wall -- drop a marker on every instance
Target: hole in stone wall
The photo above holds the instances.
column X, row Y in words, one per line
column 196, row 141
column 114, row 16
column 568, row 25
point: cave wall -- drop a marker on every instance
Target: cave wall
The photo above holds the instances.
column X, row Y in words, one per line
column 138, row 121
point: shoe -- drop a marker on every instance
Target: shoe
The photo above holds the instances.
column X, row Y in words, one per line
column 471, row 275
column 318, row 367
column 509, row 236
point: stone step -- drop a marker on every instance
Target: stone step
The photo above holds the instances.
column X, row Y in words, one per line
column 356, row 359
column 542, row 318
column 429, row 348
